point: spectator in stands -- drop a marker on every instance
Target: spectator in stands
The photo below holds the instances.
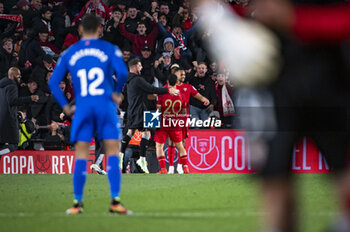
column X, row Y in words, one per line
column 22, row 5
column 9, row 101
column 112, row 33
column 163, row 67
column 173, row 68
column 69, row 88
column 97, row 7
column 72, row 37
column 154, row 8
column 44, row 22
column 205, row 86
column 36, row 5
column 7, row 58
column 148, row 73
column 182, row 17
column 132, row 20
column 54, row 140
column 45, row 88
column 162, row 18
column 147, row 61
column 160, row 38
column 34, row 109
column 22, row 8
column 181, row 41
column 126, row 54
column 40, row 71
column 186, row 3
column 30, row 52
column 164, row 9
column 168, row 46
column 141, row 39
column 34, row 9
column 48, row 47
column 60, row 26
column 225, row 105
column 53, row 109
column 198, row 47
column 213, row 71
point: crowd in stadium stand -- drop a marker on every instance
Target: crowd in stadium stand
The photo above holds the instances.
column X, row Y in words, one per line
column 163, row 34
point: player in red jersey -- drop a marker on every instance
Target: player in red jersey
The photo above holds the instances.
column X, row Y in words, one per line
column 187, row 91
column 171, row 121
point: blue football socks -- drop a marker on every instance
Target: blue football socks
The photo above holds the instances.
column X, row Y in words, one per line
column 114, row 175
column 79, row 179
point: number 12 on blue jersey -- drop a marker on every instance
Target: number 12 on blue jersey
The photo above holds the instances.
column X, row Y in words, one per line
column 96, row 75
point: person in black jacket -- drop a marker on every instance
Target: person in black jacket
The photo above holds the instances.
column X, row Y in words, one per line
column 22, row 8
column 111, row 32
column 133, row 17
column 9, row 101
column 137, row 90
column 59, row 29
column 53, row 111
column 147, row 62
column 30, row 53
column 35, row 109
column 34, row 10
column 40, row 72
column 163, row 67
column 205, row 86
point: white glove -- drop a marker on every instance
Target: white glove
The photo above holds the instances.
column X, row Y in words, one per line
column 249, row 51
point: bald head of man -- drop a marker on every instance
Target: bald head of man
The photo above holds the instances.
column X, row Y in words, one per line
column 14, row 74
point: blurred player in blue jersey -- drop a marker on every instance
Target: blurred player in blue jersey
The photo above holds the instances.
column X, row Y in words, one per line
column 92, row 63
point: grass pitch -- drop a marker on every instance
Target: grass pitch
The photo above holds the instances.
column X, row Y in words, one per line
column 195, row 202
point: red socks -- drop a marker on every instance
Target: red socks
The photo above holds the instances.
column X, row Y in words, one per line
column 171, row 155
column 183, row 160
column 161, row 161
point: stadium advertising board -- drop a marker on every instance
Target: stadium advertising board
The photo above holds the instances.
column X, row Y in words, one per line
column 39, row 162
column 226, row 151
column 209, row 151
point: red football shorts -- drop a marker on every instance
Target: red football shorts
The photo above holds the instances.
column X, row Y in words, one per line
column 174, row 135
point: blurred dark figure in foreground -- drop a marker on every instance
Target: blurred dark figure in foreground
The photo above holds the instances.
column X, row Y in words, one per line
column 315, row 64
column 310, row 97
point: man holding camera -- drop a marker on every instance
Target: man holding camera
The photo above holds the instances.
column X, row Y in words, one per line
column 26, row 129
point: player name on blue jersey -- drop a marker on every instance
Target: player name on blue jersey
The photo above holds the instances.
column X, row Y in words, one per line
column 88, row 52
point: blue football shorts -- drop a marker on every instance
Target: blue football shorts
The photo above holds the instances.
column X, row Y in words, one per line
column 90, row 117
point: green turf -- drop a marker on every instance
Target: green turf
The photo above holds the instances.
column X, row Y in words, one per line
column 195, row 202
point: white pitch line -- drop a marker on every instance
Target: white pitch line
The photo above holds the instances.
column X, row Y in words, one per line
column 163, row 214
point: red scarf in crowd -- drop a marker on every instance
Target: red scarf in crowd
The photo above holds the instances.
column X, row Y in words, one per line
column 15, row 18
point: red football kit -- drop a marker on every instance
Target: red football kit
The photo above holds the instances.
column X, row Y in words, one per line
column 187, row 91
column 171, row 108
